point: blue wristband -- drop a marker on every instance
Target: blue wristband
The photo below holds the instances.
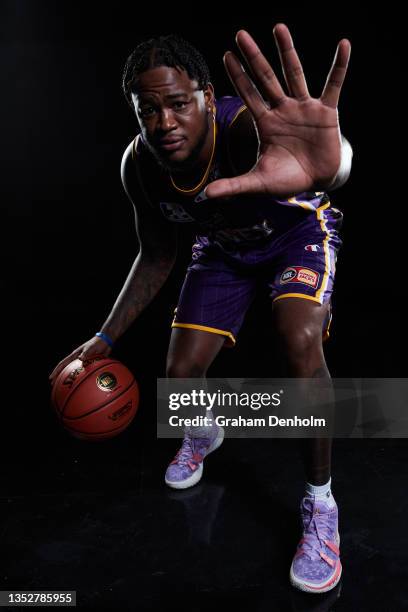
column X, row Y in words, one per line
column 104, row 337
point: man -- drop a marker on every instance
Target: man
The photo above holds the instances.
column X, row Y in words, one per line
column 252, row 173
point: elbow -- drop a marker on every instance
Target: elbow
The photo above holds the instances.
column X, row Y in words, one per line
column 158, row 257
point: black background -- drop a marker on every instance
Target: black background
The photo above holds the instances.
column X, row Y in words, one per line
column 67, row 125
column 88, row 517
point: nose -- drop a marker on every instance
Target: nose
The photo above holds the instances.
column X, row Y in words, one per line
column 167, row 120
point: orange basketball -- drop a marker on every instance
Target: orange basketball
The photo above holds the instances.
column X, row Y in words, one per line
column 95, row 399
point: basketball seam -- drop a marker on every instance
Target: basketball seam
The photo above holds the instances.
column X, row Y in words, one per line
column 102, row 406
column 123, row 426
column 74, row 387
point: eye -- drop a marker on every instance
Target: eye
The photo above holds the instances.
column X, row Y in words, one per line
column 146, row 111
column 179, row 105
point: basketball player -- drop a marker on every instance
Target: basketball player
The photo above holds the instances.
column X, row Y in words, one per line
column 252, row 173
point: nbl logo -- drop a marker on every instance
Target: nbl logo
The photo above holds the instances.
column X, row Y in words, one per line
column 106, row 381
column 288, row 275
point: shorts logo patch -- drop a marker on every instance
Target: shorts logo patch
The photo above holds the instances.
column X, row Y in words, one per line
column 297, row 274
column 312, row 247
column 288, row 275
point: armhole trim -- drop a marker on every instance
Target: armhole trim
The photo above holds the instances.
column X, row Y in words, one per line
column 237, row 114
column 235, row 117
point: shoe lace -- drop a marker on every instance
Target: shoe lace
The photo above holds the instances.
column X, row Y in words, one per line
column 316, row 531
column 186, row 454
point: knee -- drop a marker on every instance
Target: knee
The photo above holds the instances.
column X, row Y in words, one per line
column 300, row 345
column 184, row 369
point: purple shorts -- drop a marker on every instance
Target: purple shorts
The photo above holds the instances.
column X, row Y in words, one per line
column 221, row 282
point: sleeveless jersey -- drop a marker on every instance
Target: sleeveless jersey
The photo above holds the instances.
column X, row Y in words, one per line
column 239, row 220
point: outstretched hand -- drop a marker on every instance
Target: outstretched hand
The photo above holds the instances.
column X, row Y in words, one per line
column 299, row 136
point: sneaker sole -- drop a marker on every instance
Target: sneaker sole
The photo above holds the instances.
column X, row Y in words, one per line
column 310, row 587
column 197, row 475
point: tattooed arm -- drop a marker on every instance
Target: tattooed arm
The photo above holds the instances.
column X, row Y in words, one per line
column 156, row 257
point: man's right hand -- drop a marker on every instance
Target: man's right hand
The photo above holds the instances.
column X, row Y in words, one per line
column 94, row 346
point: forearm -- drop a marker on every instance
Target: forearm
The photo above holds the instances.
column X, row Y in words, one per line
column 145, row 279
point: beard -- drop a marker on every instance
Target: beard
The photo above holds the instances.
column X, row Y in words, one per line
column 185, row 164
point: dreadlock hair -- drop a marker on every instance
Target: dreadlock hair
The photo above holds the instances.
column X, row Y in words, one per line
column 172, row 51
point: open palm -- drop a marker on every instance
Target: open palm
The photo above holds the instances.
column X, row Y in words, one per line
column 299, row 136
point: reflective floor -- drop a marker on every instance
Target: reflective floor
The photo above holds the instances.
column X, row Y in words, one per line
column 97, row 518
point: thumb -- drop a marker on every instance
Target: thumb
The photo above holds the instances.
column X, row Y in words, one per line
column 245, row 183
column 91, row 353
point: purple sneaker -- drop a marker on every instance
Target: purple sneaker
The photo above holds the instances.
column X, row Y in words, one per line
column 186, row 468
column 316, row 566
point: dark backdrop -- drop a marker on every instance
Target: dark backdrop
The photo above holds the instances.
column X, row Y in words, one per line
column 67, row 125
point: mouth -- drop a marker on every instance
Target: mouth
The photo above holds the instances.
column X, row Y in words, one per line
column 171, row 144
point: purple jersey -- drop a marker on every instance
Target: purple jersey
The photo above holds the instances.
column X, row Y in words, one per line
column 227, row 223
column 287, row 246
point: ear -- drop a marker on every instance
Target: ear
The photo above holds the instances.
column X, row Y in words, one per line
column 209, row 97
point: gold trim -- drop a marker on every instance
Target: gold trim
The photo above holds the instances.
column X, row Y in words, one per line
column 298, row 295
column 308, row 205
column 304, row 205
column 323, row 227
column 212, row 330
column 237, row 114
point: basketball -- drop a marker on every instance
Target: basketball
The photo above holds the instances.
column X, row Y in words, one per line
column 95, row 399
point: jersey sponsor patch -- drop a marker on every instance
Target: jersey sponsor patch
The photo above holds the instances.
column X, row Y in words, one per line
column 297, row 274
column 312, row 247
column 244, row 234
column 175, row 212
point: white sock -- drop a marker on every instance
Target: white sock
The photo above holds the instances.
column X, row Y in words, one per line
column 204, row 430
column 321, row 493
